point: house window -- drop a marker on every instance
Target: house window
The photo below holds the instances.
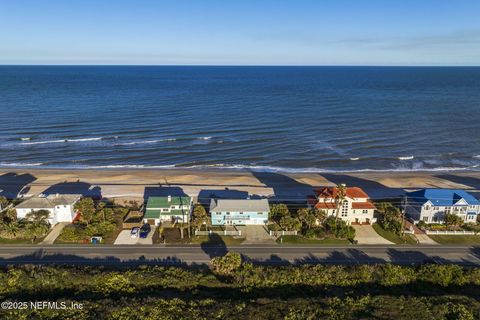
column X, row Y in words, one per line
column 218, row 213
column 365, row 211
column 427, row 207
column 227, row 213
column 425, row 219
column 345, row 208
column 241, row 212
column 259, row 212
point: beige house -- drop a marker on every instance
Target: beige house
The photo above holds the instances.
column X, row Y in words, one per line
column 356, row 207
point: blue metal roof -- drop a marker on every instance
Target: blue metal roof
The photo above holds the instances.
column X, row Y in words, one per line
column 442, row 197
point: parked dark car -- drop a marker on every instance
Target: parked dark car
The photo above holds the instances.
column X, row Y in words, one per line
column 145, row 230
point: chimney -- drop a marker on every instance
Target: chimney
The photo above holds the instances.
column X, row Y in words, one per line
column 169, row 198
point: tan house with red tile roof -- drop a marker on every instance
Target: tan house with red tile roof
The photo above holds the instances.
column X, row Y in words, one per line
column 356, row 207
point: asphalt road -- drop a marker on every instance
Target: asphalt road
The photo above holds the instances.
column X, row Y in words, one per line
column 273, row 255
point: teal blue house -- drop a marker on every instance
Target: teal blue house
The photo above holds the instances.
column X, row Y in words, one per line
column 239, row 212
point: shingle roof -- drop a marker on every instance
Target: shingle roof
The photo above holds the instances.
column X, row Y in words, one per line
column 239, row 205
column 442, row 197
column 51, row 201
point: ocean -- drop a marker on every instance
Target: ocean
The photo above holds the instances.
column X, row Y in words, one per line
column 262, row 118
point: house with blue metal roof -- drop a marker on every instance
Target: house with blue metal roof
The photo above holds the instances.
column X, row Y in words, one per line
column 431, row 205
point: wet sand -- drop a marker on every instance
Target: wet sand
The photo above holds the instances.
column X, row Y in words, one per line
column 139, row 183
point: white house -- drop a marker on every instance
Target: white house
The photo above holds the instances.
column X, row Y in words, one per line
column 174, row 209
column 355, row 208
column 60, row 207
column 239, row 211
column 431, row 205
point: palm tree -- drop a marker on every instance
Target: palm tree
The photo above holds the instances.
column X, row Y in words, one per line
column 340, row 198
column 3, row 202
column 38, row 217
column 11, row 229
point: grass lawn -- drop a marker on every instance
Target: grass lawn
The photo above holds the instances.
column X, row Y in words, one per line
column 216, row 240
column 172, row 236
column 303, row 240
column 19, row 241
column 390, row 236
column 449, row 239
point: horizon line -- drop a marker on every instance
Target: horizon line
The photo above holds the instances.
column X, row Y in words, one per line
column 244, row 65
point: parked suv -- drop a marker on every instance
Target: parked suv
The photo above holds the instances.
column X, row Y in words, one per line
column 145, row 230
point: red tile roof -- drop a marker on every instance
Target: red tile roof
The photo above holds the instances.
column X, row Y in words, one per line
column 325, row 205
column 363, row 205
column 331, row 192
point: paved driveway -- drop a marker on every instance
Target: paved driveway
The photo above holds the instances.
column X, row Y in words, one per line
column 125, row 238
column 365, row 234
column 255, row 235
column 54, row 233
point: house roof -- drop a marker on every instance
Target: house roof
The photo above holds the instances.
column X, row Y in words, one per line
column 325, row 205
column 49, row 202
column 156, row 213
column 355, row 205
column 241, row 205
column 332, row 192
column 163, row 202
column 363, row 205
column 442, row 197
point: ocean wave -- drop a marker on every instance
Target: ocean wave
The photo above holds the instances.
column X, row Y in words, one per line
column 258, row 168
column 354, row 159
column 131, row 166
column 20, row 164
column 145, row 142
column 26, row 139
column 406, row 158
column 319, row 170
column 204, row 138
column 477, row 156
column 62, row 141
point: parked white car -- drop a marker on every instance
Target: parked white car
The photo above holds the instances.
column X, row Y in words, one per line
column 135, row 232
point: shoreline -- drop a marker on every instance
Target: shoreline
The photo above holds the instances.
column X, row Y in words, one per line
column 132, row 183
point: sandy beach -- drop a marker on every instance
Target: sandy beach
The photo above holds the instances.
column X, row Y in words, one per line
column 140, row 183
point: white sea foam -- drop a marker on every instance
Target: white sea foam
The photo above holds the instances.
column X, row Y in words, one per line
column 477, row 156
column 204, row 138
column 354, row 159
column 62, row 141
column 406, row 158
column 144, row 142
column 26, row 139
column 20, row 164
column 132, row 166
column 318, row 170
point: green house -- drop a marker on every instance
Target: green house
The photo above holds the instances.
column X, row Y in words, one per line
column 167, row 209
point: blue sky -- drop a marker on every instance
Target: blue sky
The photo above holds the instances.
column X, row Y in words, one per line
column 241, row 32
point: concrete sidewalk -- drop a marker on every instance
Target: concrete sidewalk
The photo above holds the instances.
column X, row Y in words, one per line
column 54, row 233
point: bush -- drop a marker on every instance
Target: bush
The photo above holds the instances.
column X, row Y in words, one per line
column 227, row 264
column 310, row 234
column 340, row 228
